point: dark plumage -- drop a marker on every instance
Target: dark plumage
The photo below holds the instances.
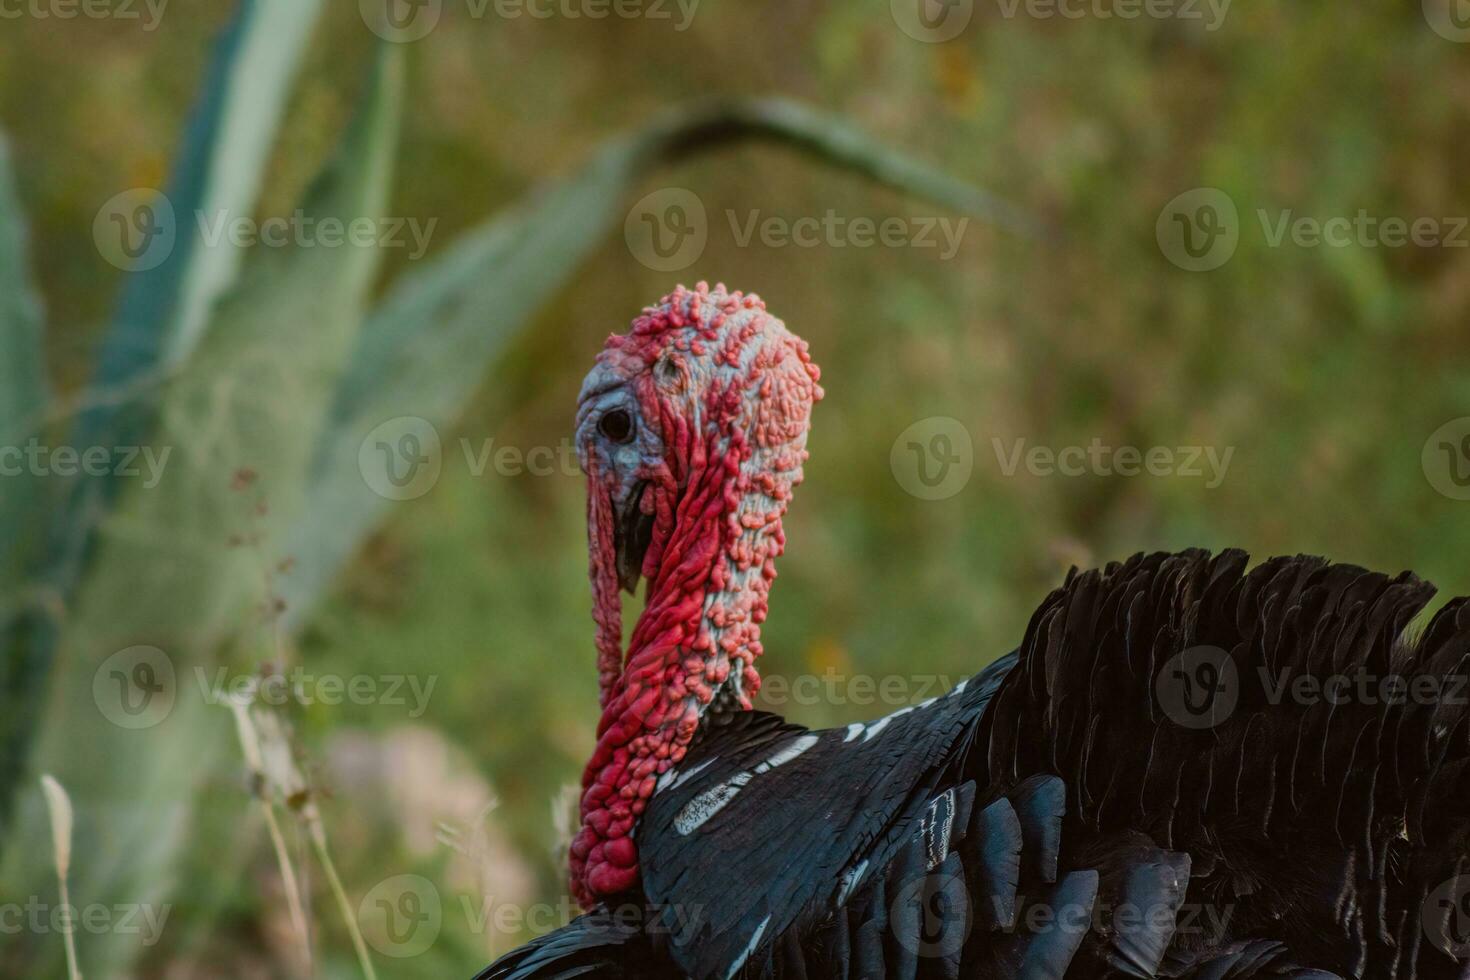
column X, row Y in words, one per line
column 1083, row 808
column 1321, row 821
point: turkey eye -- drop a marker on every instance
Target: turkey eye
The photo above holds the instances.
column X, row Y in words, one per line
column 617, row 425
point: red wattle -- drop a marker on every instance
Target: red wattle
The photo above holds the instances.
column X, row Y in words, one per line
column 729, row 392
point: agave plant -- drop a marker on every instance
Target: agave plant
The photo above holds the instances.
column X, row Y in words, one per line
column 273, row 364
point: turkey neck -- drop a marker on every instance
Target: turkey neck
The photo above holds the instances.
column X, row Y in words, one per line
column 694, row 644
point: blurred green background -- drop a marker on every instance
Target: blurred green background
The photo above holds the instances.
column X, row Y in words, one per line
column 1324, row 368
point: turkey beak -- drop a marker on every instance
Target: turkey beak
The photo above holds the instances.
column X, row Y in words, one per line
column 633, row 532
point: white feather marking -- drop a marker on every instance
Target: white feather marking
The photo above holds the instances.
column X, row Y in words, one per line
column 936, row 827
column 876, row 727
column 850, row 879
column 960, row 686
column 854, row 730
column 793, row 749
column 698, row 810
column 673, row 779
column 755, row 939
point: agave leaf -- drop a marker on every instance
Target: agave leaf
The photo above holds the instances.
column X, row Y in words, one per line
column 255, row 84
column 163, row 310
column 165, row 574
column 219, row 170
column 241, row 423
column 159, row 319
column 23, row 388
column 430, row 342
column 24, row 394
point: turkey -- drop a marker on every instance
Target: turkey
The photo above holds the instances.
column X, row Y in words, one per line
column 1189, row 767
